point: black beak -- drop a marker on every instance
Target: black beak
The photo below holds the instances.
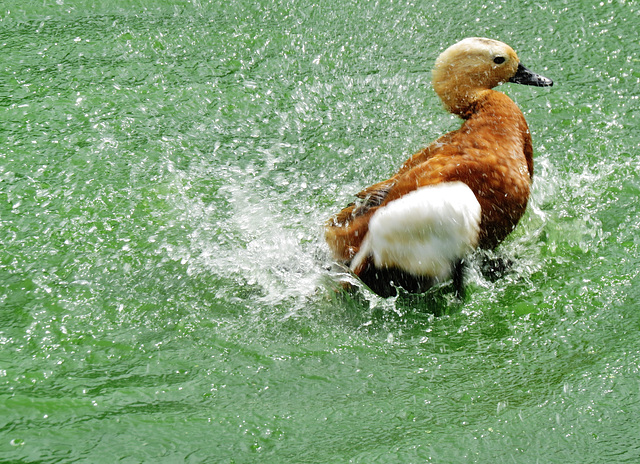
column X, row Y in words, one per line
column 527, row 77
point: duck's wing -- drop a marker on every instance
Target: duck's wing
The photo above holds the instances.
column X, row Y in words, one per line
column 344, row 231
column 375, row 194
column 371, row 197
column 427, row 153
column 424, row 231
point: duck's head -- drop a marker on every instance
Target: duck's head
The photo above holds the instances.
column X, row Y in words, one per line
column 467, row 69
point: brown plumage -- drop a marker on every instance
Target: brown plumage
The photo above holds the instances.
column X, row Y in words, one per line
column 491, row 153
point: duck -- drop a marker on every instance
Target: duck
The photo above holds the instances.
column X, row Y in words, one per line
column 467, row 190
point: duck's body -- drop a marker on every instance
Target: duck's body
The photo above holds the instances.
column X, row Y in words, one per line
column 408, row 233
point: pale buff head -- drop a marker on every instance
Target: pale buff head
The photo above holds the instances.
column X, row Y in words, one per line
column 470, row 67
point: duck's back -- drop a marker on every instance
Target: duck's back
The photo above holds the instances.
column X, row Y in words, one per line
column 491, row 153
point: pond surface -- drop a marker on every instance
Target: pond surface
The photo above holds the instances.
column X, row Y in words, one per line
column 165, row 292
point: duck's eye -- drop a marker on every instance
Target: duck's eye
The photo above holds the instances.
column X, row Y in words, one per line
column 499, row 60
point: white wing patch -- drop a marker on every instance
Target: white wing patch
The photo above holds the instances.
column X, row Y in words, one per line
column 425, row 232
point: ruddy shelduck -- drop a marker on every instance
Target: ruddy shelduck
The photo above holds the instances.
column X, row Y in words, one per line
column 466, row 190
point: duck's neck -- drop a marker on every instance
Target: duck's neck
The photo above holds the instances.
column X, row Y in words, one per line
column 493, row 105
column 460, row 100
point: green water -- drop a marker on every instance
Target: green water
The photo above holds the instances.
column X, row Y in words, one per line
column 165, row 169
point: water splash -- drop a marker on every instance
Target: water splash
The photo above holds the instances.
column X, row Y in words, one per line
column 248, row 235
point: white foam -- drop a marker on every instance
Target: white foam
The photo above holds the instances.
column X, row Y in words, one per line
column 253, row 240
